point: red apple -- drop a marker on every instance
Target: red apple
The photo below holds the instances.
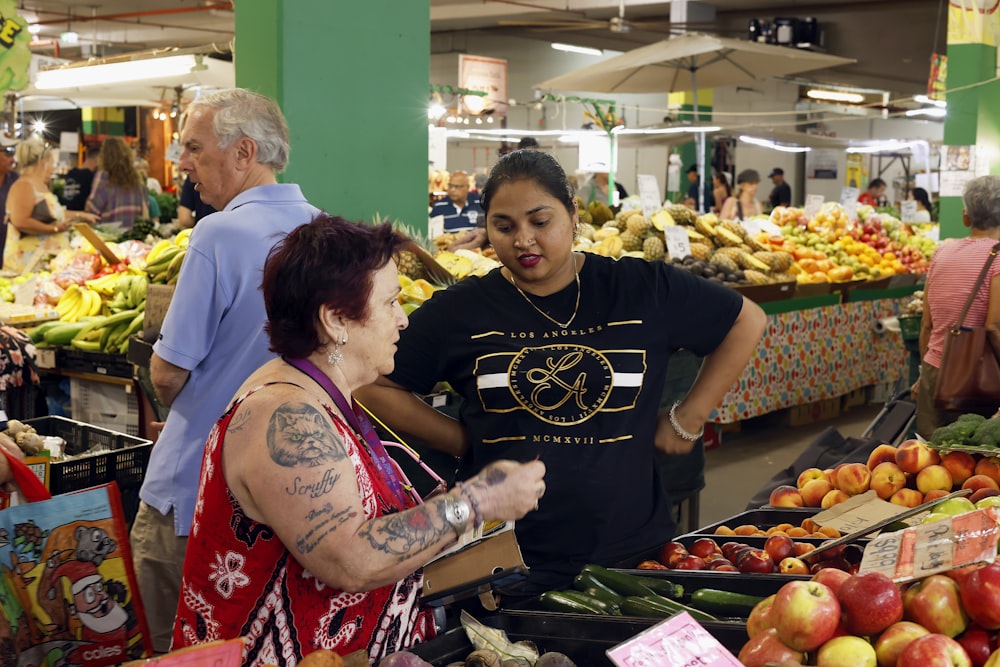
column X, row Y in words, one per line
column 895, row 638
column 704, row 547
column 981, row 596
column 729, row 549
column 887, row 479
column 780, row 547
column 766, row 649
column 961, row 465
column 832, row 578
column 759, row 619
column 962, row 573
column 853, row 478
column 934, row 603
column 978, row 644
column 786, row 496
column 934, row 649
column 846, row 651
column 913, row 456
column 754, row 560
column 805, row 614
column 870, row 602
column 882, row 454
column 690, row 562
column 670, row 548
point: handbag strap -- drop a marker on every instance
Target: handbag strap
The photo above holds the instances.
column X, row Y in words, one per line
column 979, row 282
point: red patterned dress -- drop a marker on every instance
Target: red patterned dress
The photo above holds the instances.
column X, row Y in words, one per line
column 240, row 580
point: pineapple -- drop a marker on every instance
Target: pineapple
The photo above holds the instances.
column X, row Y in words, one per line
column 653, row 248
column 701, row 251
column 639, row 225
column 410, row 265
column 682, row 215
column 631, row 242
column 725, row 261
column 756, row 277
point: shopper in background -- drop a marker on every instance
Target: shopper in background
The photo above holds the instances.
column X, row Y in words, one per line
column 351, row 550
column 119, row 192
column 720, row 190
column 37, row 226
column 7, row 178
column 528, row 142
column 562, row 356
column 460, row 208
column 923, row 200
column 79, row 181
column 781, row 194
column 875, row 194
column 953, row 271
column 596, row 189
column 234, row 143
column 744, row 203
column 190, row 207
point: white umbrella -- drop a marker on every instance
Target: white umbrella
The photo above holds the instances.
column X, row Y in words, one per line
column 687, row 62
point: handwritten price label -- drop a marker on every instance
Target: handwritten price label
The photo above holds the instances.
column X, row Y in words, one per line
column 678, row 243
column 679, row 640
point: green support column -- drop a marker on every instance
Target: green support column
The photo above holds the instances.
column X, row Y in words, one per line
column 352, row 79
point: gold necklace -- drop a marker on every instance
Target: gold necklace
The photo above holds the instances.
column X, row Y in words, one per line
column 542, row 312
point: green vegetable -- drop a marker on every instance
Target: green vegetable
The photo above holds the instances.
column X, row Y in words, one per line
column 724, row 603
column 965, row 431
column 572, row 604
column 593, row 587
column 619, row 582
column 987, row 433
column 660, row 607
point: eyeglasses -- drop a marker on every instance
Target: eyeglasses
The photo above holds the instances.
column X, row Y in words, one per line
column 457, row 186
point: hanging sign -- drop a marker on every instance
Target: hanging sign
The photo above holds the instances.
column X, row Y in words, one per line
column 813, row 205
column 595, row 153
column 649, row 194
column 908, row 210
column 488, row 75
column 959, row 168
column 437, row 148
column 678, row 640
column 973, row 22
column 15, row 54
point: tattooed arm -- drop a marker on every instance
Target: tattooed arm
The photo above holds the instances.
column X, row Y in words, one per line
column 291, row 471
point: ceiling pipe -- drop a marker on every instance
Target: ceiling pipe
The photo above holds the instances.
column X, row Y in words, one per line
column 127, row 17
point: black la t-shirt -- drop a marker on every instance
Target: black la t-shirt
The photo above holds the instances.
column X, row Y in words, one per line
column 584, row 399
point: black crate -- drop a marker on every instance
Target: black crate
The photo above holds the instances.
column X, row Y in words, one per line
column 96, row 363
column 583, row 638
column 21, row 402
column 765, row 517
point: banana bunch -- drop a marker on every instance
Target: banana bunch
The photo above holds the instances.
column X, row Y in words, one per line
column 163, row 263
column 108, row 334
column 78, row 301
column 129, row 293
column 107, row 285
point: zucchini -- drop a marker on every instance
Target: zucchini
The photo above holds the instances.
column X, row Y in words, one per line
column 660, row 607
column 63, row 334
column 619, row 582
column 593, row 587
column 724, row 603
column 559, row 601
column 585, row 598
column 663, row 587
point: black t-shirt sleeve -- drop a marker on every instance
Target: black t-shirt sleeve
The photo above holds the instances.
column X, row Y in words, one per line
column 698, row 312
column 422, row 346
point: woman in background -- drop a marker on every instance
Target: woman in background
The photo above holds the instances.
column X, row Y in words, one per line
column 743, row 204
column 923, row 200
column 119, row 192
column 720, row 190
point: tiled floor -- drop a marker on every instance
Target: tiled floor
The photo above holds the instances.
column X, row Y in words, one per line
column 748, row 459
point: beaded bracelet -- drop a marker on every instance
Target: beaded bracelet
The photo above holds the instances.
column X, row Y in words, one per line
column 477, row 515
column 679, row 430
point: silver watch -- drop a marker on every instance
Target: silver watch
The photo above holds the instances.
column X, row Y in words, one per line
column 457, row 512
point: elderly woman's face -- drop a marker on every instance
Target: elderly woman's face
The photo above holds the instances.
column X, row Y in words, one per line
column 372, row 343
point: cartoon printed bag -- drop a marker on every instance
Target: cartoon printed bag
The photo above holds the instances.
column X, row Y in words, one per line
column 68, row 594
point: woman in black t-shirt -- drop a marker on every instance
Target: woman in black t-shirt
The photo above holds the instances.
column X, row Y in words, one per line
column 562, row 356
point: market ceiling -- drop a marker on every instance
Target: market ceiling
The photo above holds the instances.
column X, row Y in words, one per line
column 891, row 40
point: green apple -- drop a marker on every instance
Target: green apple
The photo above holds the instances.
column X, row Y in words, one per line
column 988, row 501
column 935, row 516
column 954, row 506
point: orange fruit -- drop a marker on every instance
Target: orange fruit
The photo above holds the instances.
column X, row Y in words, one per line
column 829, row 531
column 746, row 530
column 724, row 530
column 797, row 531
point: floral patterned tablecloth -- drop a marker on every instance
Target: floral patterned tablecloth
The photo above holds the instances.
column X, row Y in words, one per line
column 815, row 354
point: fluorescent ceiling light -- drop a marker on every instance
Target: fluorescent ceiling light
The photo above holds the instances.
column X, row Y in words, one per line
column 923, row 99
column 680, row 129
column 572, row 48
column 767, row 143
column 932, row 112
column 884, row 146
column 834, row 96
column 121, row 72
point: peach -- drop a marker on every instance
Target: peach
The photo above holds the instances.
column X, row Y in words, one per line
column 934, row 494
column 913, row 456
column 808, row 475
column 989, row 466
column 809, row 524
column 833, row 498
column 961, row 465
column 887, row 479
column 830, row 477
column 786, row 496
column 980, row 482
column 882, row 454
column 853, row 478
column 814, row 490
column 934, row 477
column 907, row 498
column 979, row 494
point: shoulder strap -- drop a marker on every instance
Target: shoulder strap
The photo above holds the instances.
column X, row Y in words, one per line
column 739, row 208
column 979, row 281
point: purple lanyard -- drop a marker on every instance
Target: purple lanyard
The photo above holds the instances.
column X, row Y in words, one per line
column 359, row 422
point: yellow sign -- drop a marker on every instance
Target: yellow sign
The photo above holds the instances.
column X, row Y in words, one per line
column 15, row 55
column 854, row 171
column 973, row 22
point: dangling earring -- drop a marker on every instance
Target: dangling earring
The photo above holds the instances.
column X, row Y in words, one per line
column 335, row 357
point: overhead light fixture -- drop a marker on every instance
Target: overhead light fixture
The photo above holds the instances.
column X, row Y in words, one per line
column 69, row 37
column 930, row 112
column 680, row 129
column 572, row 48
column 923, row 99
column 773, row 145
column 119, row 72
column 34, row 28
column 885, row 146
column 835, row 96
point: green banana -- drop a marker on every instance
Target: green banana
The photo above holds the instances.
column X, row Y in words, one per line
column 64, row 333
column 86, row 345
column 37, row 334
column 162, row 260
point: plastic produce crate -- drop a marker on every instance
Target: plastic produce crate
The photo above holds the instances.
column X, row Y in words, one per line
column 97, row 363
column 909, row 326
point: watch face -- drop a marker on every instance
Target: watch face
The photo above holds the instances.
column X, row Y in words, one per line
column 462, row 511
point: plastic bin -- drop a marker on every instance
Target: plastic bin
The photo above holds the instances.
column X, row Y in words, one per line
column 909, row 326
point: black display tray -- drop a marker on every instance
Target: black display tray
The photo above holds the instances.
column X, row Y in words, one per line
column 583, row 638
column 736, row 582
column 765, row 517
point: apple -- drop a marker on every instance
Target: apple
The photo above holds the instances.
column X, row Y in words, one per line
column 846, row 651
column 978, row 644
column 994, row 660
column 980, row 482
column 961, row 465
column 887, row 479
column 884, row 453
column 913, row 456
column 935, row 516
column 814, row 490
column 808, row 475
column 690, row 562
column 759, row 618
column 989, row 466
column 934, row 649
column 754, row 560
column 805, row 614
column 670, row 548
column 832, row 578
column 894, row 639
column 786, row 496
column 704, row 547
column 721, row 566
column 870, row 602
column 988, row 501
column 935, row 603
column 954, row 506
column 729, row 549
column 981, row 596
column 793, row 565
column 934, row 477
column 907, row 498
column 766, row 648
column 802, row 548
column 853, row 478
column 983, row 494
column 780, row 547
column 960, row 574
column 834, row 497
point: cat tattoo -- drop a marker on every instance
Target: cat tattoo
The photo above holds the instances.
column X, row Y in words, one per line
column 299, row 435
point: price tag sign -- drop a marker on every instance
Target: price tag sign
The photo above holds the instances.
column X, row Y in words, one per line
column 215, row 654
column 435, row 226
column 851, row 209
column 649, row 194
column 679, row 640
column 769, row 227
column 857, row 512
column 930, row 548
column 24, row 295
column 849, row 194
column 907, row 210
column 752, row 225
column 173, row 152
column 678, row 243
column 813, row 204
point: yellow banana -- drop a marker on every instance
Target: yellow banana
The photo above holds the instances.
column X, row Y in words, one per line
column 157, row 249
column 181, row 239
column 95, row 303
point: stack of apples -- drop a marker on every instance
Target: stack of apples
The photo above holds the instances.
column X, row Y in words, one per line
column 908, row 475
column 837, row 619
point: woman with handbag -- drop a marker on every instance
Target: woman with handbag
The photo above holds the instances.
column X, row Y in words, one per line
column 961, row 299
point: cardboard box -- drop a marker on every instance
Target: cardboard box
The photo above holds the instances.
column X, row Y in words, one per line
column 474, row 566
column 157, row 301
column 853, row 399
column 814, row 412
